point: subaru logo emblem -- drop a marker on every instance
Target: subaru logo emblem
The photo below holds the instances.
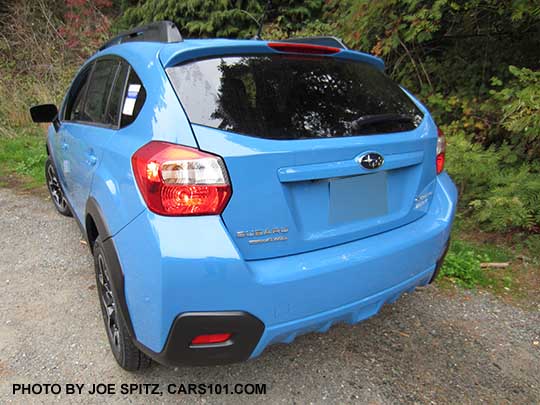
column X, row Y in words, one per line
column 371, row 160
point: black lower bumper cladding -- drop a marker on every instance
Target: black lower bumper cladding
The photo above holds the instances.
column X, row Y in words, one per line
column 246, row 332
column 440, row 262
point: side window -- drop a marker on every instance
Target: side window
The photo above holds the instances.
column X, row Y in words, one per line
column 117, row 95
column 98, row 91
column 134, row 97
column 75, row 99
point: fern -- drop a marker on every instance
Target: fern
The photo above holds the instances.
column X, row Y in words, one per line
column 501, row 193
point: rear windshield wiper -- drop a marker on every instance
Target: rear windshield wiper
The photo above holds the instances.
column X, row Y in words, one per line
column 379, row 118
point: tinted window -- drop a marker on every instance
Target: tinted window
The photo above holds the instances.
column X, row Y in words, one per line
column 292, row 97
column 74, row 102
column 117, row 95
column 98, row 91
column 134, row 98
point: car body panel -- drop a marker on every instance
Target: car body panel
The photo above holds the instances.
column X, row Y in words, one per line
column 295, row 180
column 174, row 273
column 114, row 187
column 84, row 146
column 176, row 53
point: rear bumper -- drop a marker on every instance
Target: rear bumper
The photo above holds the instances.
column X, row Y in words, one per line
column 246, row 332
column 175, row 266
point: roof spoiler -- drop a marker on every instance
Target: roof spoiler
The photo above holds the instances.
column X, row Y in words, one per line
column 330, row 41
column 159, row 31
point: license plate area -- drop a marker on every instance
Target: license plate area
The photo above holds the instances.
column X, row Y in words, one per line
column 358, row 198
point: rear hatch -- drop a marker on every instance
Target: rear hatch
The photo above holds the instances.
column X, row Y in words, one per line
column 320, row 151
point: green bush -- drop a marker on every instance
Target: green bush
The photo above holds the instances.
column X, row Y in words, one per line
column 500, row 193
column 519, row 102
column 533, row 244
column 462, row 265
column 225, row 18
column 444, row 45
column 24, row 153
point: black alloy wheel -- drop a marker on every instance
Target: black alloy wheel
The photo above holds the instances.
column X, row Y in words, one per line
column 55, row 190
column 127, row 355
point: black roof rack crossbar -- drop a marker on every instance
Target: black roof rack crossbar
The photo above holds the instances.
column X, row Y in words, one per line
column 322, row 40
column 160, row 31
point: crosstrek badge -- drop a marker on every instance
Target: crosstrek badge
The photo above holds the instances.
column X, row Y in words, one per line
column 131, row 98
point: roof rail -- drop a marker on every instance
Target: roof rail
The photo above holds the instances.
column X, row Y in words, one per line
column 322, row 40
column 159, row 31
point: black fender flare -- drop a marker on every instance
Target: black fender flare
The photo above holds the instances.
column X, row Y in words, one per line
column 94, row 210
column 111, row 256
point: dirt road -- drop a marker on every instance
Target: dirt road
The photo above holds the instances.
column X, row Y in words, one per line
column 429, row 347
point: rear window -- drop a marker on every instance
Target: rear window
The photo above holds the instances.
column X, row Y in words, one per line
column 292, row 97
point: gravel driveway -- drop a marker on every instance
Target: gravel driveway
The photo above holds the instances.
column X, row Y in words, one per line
column 429, row 347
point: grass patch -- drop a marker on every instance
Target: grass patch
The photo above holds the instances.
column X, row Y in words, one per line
column 462, row 265
column 517, row 284
column 22, row 152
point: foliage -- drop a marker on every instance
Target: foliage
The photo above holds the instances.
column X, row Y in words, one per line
column 533, row 244
column 462, row 265
column 508, row 114
column 519, row 102
column 444, row 45
column 500, row 193
column 87, row 26
column 25, row 155
column 225, row 18
column 41, row 46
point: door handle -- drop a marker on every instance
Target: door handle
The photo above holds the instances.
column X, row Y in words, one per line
column 91, row 159
column 65, row 146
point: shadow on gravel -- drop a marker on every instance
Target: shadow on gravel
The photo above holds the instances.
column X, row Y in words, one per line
column 426, row 347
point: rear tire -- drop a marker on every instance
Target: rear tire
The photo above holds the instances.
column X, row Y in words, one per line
column 127, row 355
column 55, row 190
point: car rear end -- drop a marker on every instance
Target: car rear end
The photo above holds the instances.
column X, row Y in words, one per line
column 316, row 195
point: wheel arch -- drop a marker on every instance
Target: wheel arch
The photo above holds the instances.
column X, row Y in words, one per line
column 96, row 226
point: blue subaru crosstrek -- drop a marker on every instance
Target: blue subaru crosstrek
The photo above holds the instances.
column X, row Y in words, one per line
column 239, row 193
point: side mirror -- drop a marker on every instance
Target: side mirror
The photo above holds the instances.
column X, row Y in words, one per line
column 43, row 113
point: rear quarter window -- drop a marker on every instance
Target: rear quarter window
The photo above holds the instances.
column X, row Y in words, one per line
column 134, row 98
column 117, row 95
column 292, row 97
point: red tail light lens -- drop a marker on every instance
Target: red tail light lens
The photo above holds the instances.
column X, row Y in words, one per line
column 176, row 180
column 211, row 339
column 290, row 47
column 441, row 150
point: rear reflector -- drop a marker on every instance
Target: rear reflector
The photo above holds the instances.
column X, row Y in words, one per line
column 309, row 49
column 211, row 339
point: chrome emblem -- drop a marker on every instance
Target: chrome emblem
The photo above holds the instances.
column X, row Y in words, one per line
column 371, row 160
column 268, row 235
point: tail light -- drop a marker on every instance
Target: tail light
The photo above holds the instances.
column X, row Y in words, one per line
column 290, row 47
column 176, row 180
column 441, row 150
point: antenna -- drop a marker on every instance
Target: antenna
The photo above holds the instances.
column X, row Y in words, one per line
column 261, row 20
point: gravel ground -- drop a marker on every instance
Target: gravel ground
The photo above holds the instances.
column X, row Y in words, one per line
column 429, row 347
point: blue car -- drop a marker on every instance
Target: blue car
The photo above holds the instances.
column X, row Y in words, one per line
column 239, row 193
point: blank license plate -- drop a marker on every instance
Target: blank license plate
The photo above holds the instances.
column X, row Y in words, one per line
column 359, row 197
